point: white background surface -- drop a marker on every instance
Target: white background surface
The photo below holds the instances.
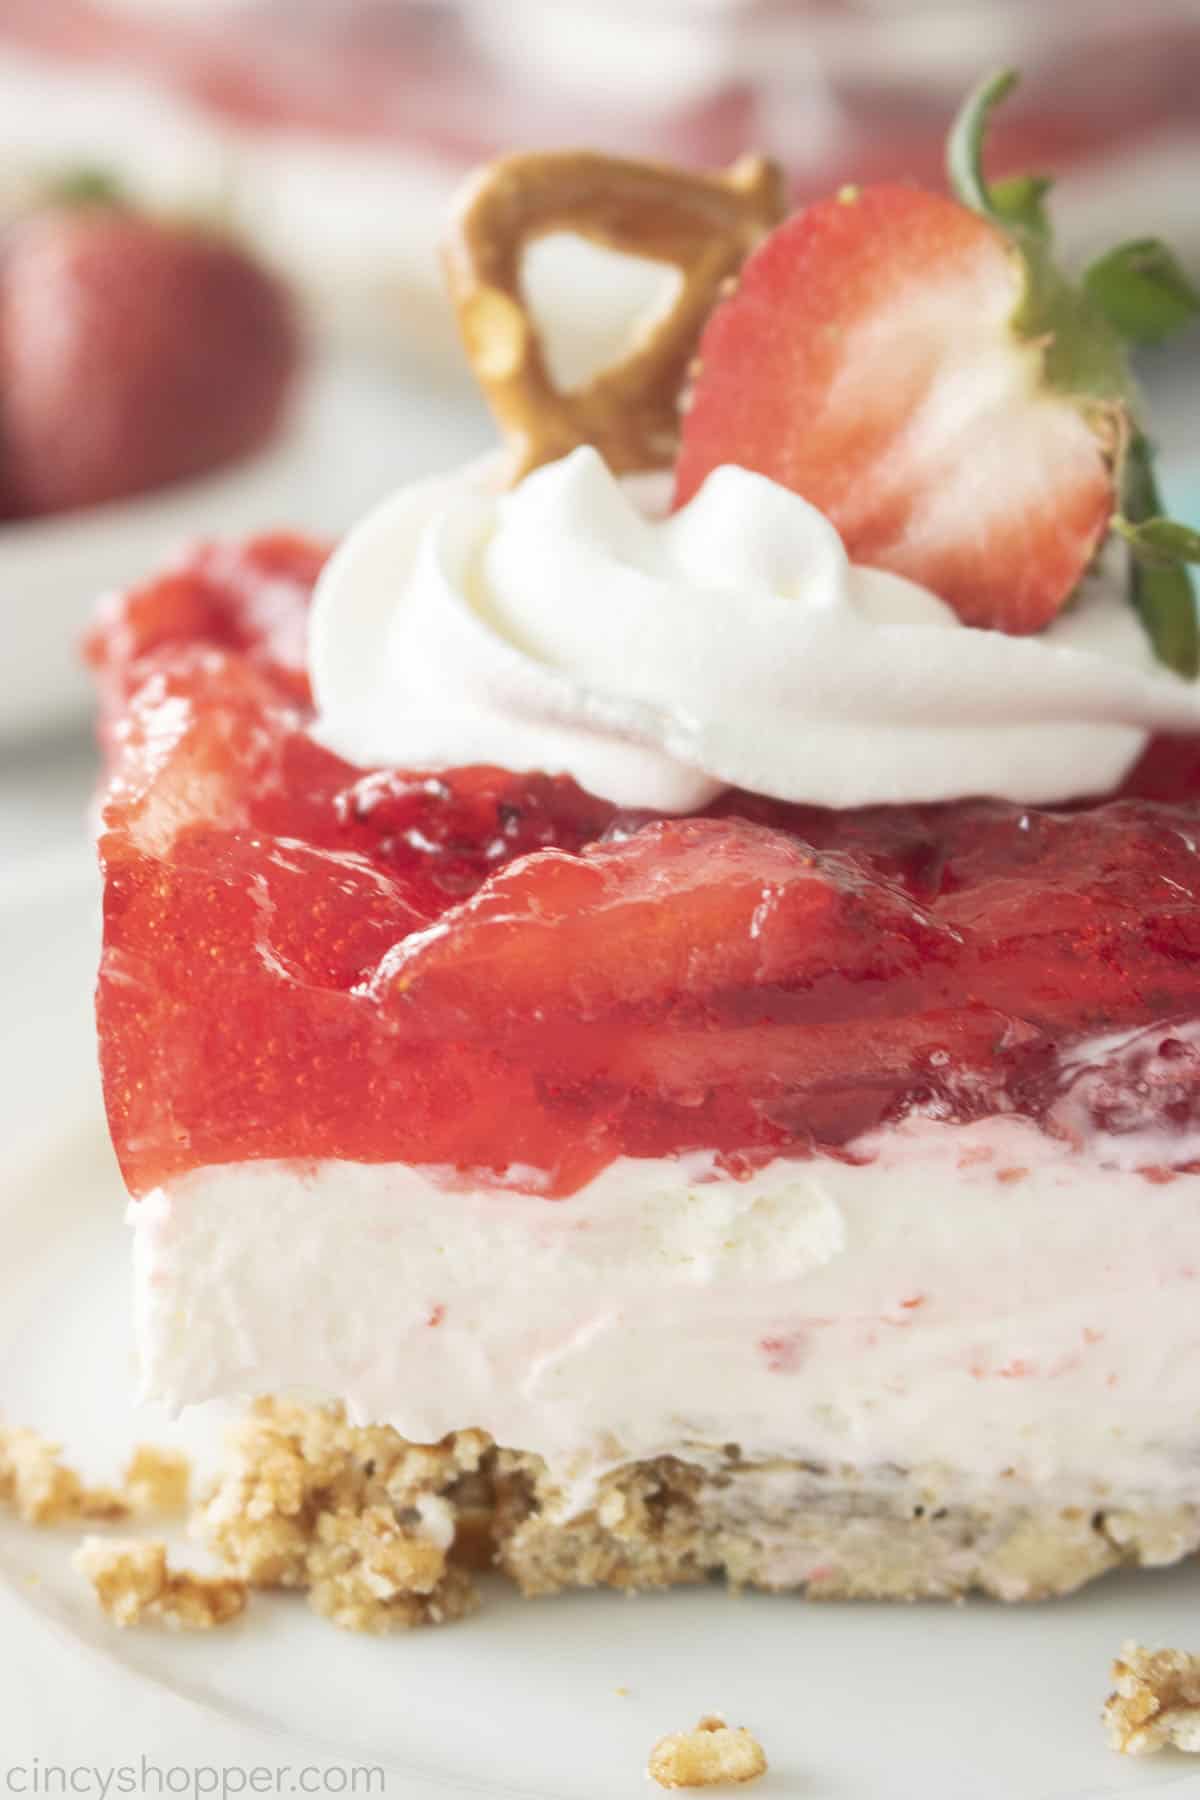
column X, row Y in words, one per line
column 858, row 1703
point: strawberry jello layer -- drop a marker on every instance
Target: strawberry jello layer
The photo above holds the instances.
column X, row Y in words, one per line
column 480, row 972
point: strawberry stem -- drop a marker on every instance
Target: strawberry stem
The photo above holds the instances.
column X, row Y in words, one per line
column 1017, row 203
column 964, row 146
column 1083, row 355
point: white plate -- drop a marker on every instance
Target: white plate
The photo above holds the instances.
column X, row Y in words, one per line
column 356, row 431
column 851, row 1703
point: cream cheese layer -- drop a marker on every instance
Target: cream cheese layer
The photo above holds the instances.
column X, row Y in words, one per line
column 981, row 1297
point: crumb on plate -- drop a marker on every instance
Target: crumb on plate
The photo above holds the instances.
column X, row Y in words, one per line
column 135, row 1585
column 713, row 1752
column 157, row 1480
column 1156, row 1701
column 363, row 1520
column 42, row 1489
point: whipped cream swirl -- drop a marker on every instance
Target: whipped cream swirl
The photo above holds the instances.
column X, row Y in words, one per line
column 571, row 626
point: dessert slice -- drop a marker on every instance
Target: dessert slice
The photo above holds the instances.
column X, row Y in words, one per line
column 715, row 1017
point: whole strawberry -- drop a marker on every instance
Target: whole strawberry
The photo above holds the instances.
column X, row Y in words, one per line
column 133, row 353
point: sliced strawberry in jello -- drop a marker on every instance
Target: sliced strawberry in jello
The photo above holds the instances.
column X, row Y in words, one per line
column 683, row 912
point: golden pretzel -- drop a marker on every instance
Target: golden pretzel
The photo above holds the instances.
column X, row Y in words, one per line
column 703, row 225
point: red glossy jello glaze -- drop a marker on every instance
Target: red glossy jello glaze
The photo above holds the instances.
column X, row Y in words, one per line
column 252, row 598
column 482, row 970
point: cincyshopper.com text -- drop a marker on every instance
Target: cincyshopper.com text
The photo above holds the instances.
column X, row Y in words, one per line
column 146, row 1779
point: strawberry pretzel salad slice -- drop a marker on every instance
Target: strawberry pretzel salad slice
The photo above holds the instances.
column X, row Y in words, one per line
column 659, row 983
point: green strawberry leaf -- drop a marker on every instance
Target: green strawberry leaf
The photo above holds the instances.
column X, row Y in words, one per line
column 1143, row 291
column 1160, row 586
column 84, row 185
column 1166, row 605
column 1157, row 541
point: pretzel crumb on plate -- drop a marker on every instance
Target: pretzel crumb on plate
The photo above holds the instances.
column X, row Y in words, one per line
column 1155, row 1703
column 157, row 1480
column 711, row 1753
column 363, row 1521
column 136, row 1585
column 44, row 1490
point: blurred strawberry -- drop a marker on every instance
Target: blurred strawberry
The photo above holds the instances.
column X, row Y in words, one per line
column 133, row 353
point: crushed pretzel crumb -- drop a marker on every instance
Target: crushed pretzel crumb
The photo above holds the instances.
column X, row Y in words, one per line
column 136, row 1585
column 42, row 1489
column 364, row 1521
column 712, row 1753
column 157, row 1480
column 1155, row 1702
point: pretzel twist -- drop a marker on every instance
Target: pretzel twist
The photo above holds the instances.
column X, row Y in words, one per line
column 703, row 225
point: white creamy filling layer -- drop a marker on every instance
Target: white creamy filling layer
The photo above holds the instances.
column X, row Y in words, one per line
column 978, row 1297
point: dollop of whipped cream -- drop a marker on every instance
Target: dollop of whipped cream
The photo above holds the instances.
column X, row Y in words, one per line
column 572, row 626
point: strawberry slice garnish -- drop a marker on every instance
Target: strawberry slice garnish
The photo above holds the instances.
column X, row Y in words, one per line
column 918, row 368
column 868, row 361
